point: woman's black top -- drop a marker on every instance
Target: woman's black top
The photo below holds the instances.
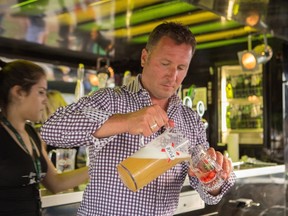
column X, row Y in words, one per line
column 19, row 193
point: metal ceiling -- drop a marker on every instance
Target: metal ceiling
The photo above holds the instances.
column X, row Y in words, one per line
column 78, row 25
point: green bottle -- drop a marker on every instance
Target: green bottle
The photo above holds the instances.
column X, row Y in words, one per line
column 229, row 89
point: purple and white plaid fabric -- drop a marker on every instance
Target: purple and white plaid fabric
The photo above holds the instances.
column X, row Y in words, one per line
column 106, row 194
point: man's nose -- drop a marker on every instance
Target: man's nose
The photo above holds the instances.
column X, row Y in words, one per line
column 173, row 71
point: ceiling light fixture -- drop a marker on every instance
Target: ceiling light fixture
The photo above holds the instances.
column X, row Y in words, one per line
column 99, row 2
column 211, row 35
column 188, row 19
column 250, row 59
column 154, row 12
column 23, row 4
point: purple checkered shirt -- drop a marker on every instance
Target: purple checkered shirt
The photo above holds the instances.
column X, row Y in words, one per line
column 106, row 194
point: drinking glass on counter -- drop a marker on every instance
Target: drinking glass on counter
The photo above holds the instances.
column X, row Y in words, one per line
column 152, row 160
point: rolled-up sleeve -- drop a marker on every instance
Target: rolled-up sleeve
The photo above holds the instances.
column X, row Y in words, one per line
column 198, row 136
column 208, row 198
column 74, row 124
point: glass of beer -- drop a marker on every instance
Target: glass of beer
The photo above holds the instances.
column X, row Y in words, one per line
column 206, row 169
column 152, row 160
column 65, row 159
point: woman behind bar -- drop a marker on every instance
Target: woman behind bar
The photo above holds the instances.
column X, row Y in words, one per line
column 54, row 101
column 24, row 163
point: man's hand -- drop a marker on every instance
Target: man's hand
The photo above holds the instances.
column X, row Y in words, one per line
column 223, row 162
column 147, row 121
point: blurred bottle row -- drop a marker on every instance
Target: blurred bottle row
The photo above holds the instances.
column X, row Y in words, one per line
column 244, row 116
column 243, row 86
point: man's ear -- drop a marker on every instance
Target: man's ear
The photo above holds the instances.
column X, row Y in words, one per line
column 144, row 56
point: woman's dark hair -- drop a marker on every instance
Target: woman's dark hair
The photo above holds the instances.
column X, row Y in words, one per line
column 176, row 31
column 19, row 72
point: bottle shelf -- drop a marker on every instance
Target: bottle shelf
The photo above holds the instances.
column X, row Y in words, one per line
column 245, row 130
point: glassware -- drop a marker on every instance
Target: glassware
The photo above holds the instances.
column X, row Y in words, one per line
column 65, row 159
column 206, row 169
column 152, row 160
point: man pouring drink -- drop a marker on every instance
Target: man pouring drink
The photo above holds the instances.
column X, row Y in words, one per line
column 114, row 122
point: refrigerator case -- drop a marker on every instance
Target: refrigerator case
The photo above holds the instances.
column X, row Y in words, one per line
column 240, row 104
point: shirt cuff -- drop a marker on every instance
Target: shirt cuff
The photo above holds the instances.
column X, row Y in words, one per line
column 207, row 197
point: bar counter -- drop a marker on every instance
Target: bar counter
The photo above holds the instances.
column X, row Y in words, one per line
column 75, row 195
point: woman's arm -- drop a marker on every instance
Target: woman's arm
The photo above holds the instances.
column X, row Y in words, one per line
column 56, row 182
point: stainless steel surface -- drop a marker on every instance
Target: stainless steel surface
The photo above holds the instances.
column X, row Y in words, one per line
column 243, row 202
column 76, row 25
column 267, row 15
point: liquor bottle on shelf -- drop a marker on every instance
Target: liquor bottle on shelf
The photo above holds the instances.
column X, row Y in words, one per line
column 228, row 116
column 247, row 87
column 229, row 89
column 240, row 86
column 79, row 90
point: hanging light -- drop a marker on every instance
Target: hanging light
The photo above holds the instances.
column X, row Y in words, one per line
column 250, row 59
column 264, row 53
